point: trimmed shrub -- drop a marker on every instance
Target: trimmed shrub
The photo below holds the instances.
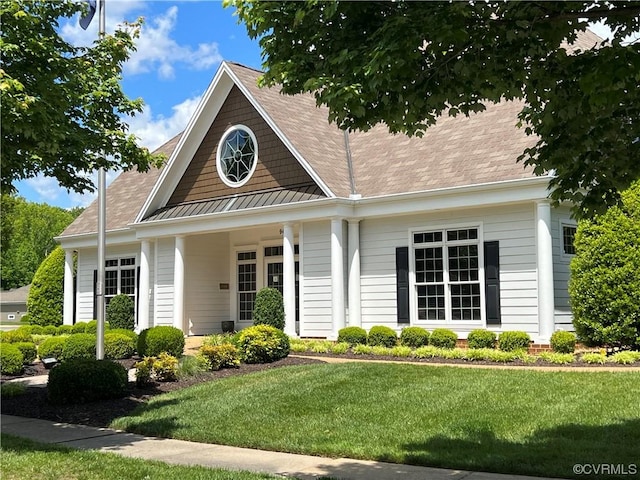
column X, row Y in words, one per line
column 17, row 336
column 221, row 356
column 481, row 338
column 605, row 276
column 11, row 359
column 382, row 336
column 86, row 380
column 144, row 371
column 414, row 337
column 262, row 344
column 118, row 346
column 52, row 348
column 50, row 330
column 64, row 330
column 155, row 340
column 46, row 295
column 353, row 336
column 121, row 312
column 29, row 351
column 165, row 368
column 443, row 338
column 31, row 329
column 92, row 327
column 563, row 341
column 79, row 346
column 79, row 327
column 268, row 308
column 514, row 340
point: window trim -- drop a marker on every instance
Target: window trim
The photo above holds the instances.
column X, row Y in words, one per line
column 413, row 293
column 565, row 223
column 219, row 149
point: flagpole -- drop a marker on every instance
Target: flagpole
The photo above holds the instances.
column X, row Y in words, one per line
column 102, row 215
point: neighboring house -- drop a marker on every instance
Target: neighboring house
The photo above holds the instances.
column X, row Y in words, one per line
column 13, row 303
column 361, row 229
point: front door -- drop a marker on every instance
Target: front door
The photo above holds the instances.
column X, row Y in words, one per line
column 275, row 279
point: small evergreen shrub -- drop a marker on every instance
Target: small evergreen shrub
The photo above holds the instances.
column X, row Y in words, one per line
column 78, row 327
column 144, row 371
column 51, row 330
column 262, row 344
column 122, row 331
column 31, row 329
column 513, row 340
column 92, row 327
column 118, row 346
column 52, row 348
column 46, row 296
column 11, row 359
column 383, row 336
column 220, row 356
column 64, row 330
column 86, row 380
column 268, row 308
column 29, row 351
column 443, row 338
column 79, row 346
column 155, row 340
column 17, row 336
column 414, row 337
column 352, row 335
column 165, row 367
column 563, row 341
column 121, row 312
column 481, row 338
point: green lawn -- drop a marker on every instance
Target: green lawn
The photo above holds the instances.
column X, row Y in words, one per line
column 23, row 459
column 512, row 421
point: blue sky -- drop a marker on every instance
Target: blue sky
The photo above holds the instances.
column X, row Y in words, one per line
column 179, row 50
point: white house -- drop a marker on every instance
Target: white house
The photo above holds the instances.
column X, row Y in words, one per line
column 361, row 229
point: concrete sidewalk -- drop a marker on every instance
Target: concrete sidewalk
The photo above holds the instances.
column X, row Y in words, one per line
column 231, row 458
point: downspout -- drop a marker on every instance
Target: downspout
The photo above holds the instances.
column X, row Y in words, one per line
column 352, row 180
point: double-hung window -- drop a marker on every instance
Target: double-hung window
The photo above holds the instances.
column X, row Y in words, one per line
column 447, row 275
column 247, row 276
column 120, row 278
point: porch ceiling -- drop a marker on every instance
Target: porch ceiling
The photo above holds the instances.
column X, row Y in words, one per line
column 232, row 203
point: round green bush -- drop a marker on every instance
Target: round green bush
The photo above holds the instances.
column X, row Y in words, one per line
column 414, row 337
column 563, row 341
column 92, row 327
column 443, row 338
column 382, row 336
column 268, row 308
column 79, row 327
column 31, row 329
column 121, row 312
column 514, row 340
column 29, row 351
column 86, row 380
column 50, row 330
column 11, row 359
column 79, row 346
column 352, row 335
column 118, row 346
column 481, row 338
column 155, row 340
column 51, row 348
column 16, row 336
column 605, row 276
column 46, row 295
column 123, row 331
column 64, row 330
column 262, row 344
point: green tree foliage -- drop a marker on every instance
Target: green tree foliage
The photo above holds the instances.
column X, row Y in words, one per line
column 121, row 312
column 405, row 64
column 269, row 308
column 604, row 288
column 62, row 105
column 46, row 296
column 28, row 231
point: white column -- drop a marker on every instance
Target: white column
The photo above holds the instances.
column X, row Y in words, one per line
column 67, row 312
column 337, row 277
column 178, row 284
column 289, row 280
column 143, row 294
column 546, row 305
column 354, row 273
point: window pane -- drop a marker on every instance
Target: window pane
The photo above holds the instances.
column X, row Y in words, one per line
column 125, row 262
column 128, row 281
column 111, row 263
column 568, row 237
column 465, row 299
column 111, row 282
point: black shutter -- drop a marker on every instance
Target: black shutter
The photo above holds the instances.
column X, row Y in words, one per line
column 402, row 283
column 138, row 294
column 95, row 295
column 492, row 281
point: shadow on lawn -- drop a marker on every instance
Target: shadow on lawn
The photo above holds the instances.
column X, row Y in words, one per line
column 551, row 452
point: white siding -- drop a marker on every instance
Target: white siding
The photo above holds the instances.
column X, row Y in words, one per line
column 513, row 226
column 163, row 282
column 207, row 266
column 563, row 318
column 315, row 297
